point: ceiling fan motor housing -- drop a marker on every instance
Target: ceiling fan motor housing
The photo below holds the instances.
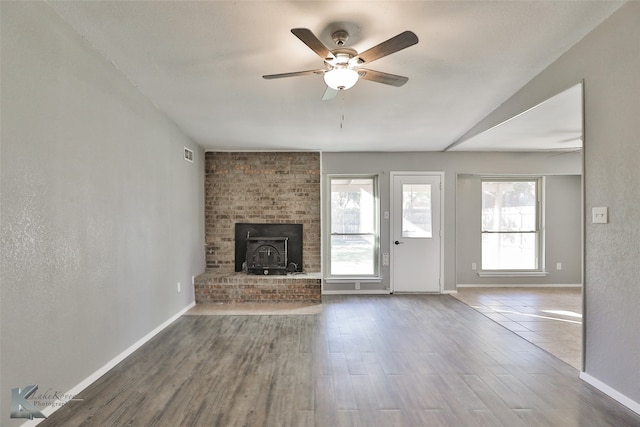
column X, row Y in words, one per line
column 340, row 37
column 342, row 56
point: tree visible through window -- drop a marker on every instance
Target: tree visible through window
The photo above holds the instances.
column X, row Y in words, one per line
column 353, row 246
column 510, row 224
column 416, row 210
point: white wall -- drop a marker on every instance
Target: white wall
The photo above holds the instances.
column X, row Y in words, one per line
column 101, row 216
column 608, row 59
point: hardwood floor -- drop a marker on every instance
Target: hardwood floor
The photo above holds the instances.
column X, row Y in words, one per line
column 395, row 360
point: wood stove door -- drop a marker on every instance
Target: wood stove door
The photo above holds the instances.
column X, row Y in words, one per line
column 415, row 233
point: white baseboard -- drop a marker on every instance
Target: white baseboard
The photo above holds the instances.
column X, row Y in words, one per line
column 108, row 366
column 358, row 292
column 378, row 292
column 611, row 392
column 532, row 285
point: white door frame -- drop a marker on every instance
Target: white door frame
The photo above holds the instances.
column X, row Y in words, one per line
column 392, row 175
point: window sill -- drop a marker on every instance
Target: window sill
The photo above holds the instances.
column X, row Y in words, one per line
column 513, row 273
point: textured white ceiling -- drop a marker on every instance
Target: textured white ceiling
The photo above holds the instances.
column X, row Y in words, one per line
column 553, row 125
column 202, row 63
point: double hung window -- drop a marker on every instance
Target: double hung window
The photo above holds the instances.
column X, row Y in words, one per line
column 353, row 225
column 511, row 224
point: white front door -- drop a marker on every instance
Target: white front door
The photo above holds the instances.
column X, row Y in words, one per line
column 415, row 232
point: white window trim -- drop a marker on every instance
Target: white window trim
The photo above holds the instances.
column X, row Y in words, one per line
column 376, row 276
column 351, row 279
column 541, row 270
column 512, row 273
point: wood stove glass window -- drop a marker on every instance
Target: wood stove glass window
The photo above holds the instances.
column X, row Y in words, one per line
column 353, row 245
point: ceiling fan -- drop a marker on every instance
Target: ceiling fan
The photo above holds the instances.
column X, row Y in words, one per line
column 342, row 65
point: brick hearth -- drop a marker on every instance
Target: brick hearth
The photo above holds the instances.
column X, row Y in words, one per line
column 214, row 287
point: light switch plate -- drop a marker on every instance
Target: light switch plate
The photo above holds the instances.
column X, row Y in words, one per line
column 600, row 215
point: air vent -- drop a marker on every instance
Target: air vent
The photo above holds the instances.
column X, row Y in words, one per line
column 188, row 155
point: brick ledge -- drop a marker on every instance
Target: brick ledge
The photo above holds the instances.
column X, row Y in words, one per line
column 216, row 287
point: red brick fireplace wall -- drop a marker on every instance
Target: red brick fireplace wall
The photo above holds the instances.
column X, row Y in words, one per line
column 277, row 188
column 270, row 188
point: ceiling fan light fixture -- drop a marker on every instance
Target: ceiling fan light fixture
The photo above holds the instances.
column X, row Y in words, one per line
column 341, row 65
column 341, row 78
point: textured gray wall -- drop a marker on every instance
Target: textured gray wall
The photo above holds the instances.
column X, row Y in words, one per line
column 101, row 216
column 608, row 60
column 563, row 232
column 452, row 164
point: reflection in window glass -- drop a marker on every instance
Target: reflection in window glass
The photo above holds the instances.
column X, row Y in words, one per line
column 509, row 251
column 352, row 206
column 352, row 255
column 416, row 210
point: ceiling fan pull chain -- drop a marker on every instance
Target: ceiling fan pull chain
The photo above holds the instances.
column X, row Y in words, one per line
column 342, row 108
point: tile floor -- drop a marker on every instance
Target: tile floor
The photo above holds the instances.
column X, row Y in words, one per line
column 550, row 318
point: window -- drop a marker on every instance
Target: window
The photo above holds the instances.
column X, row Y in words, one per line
column 511, row 236
column 416, row 210
column 353, row 245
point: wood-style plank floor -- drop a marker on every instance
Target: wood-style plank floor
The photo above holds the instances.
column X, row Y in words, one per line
column 394, row 360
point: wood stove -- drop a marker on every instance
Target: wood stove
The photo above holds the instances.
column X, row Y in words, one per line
column 266, row 255
column 268, row 249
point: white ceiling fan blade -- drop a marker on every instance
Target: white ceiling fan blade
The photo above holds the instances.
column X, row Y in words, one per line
column 293, row 74
column 329, row 94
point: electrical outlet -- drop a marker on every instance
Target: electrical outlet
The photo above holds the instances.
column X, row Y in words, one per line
column 558, row 266
column 600, row 215
column 178, row 286
column 474, row 266
column 385, row 259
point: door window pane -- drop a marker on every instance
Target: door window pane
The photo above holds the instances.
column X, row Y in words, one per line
column 416, row 210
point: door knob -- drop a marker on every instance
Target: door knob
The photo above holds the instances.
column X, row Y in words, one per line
column 397, row 242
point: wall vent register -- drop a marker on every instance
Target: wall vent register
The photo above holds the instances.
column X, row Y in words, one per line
column 188, row 155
